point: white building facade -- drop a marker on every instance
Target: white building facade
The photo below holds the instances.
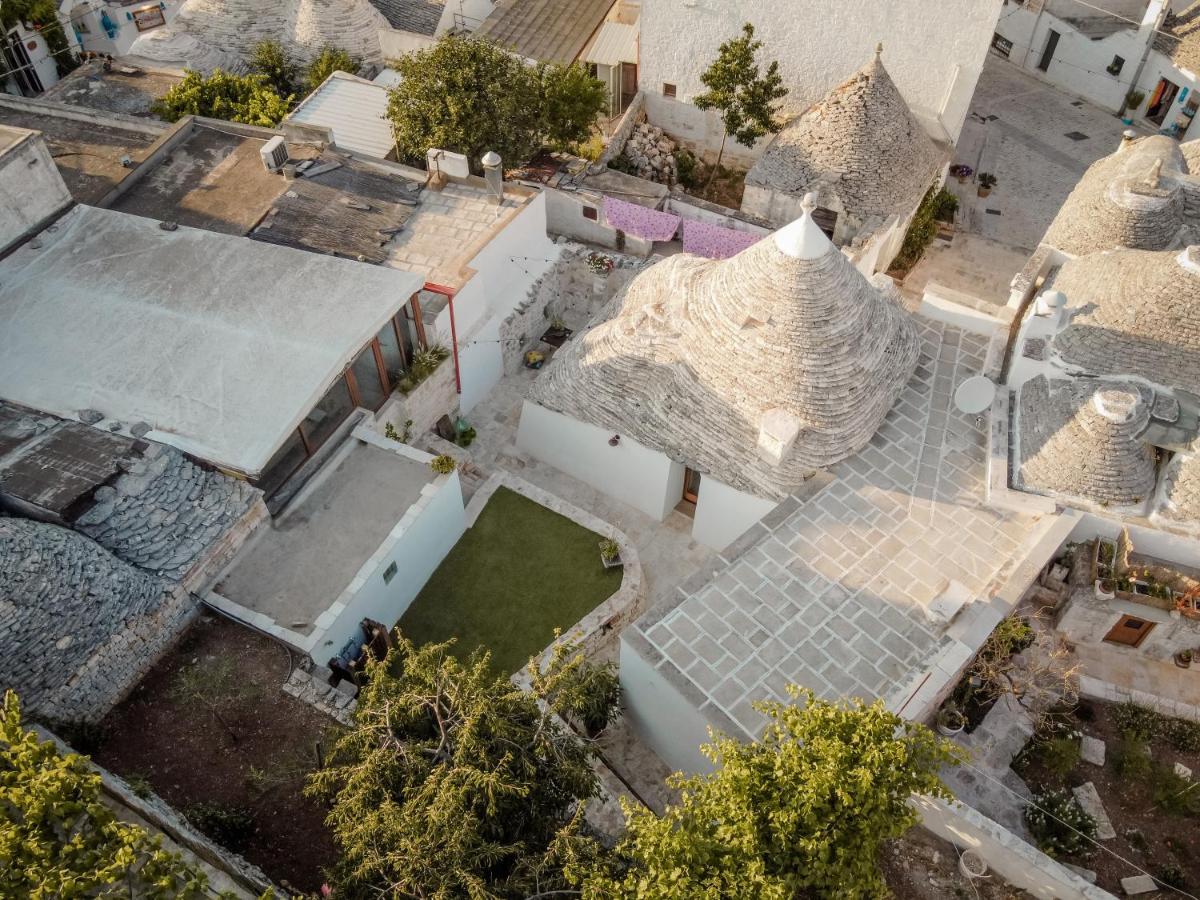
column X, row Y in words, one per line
column 934, row 56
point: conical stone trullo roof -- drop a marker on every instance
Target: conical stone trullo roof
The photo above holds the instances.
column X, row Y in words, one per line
column 860, row 143
column 756, row 370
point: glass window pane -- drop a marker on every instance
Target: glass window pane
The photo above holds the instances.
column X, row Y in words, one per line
column 286, row 461
column 393, row 359
column 366, row 379
column 328, row 414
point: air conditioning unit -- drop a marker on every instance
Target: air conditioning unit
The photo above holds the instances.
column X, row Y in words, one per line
column 274, row 153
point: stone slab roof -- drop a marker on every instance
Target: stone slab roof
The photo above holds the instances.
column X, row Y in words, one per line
column 1182, row 44
column 207, row 34
column 129, row 90
column 833, row 589
column 417, row 16
column 860, row 143
column 63, row 599
column 700, row 359
column 1132, row 198
column 1179, row 501
column 1135, row 313
column 545, row 30
column 1083, row 439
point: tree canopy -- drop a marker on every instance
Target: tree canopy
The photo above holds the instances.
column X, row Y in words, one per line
column 248, row 99
column 802, row 811
column 744, row 98
column 270, row 60
column 471, row 96
column 59, row 839
column 454, row 782
column 328, row 61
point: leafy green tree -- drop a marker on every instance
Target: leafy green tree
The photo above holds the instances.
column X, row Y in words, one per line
column 571, row 101
column 472, row 96
column 248, row 99
column 801, row 812
column 744, row 98
column 269, row 59
column 328, row 61
column 455, row 783
column 59, row 839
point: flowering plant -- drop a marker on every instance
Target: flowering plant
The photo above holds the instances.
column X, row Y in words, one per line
column 961, row 170
column 600, row 263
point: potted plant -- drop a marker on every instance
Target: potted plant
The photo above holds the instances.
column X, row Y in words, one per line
column 534, row 359
column 558, row 328
column 962, row 172
column 1133, row 100
column 1106, row 589
column 950, row 721
column 443, row 464
column 610, row 553
column 600, row 265
column 987, row 181
column 1183, row 659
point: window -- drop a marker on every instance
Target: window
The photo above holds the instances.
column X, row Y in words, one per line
column 368, row 386
column 1115, row 67
column 668, row 90
column 390, row 572
column 1002, row 45
column 395, row 354
column 589, row 212
column 327, row 415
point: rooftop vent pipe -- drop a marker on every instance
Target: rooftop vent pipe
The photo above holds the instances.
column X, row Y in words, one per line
column 493, row 174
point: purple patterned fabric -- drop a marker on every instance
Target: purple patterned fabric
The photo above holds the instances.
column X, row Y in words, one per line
column 648, row 224
column 715, row 242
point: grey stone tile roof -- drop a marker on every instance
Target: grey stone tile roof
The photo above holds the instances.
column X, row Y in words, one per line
column 1180, row 498
column 860, row 143
column 1132, row 198
column 832, row 591
column 1082, row 438
column 417, row 16
column 63, row 598
column 695, row 354
column 546, row 30
column 1182, row 45
column 1136, row 313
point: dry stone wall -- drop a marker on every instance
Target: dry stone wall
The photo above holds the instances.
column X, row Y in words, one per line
column 652, row 153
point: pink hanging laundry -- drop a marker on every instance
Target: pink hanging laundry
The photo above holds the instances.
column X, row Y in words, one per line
column 715, row 242
column 648, row 224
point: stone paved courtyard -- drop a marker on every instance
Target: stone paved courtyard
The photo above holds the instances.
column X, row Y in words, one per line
column 1017, row 129
column 841, row 596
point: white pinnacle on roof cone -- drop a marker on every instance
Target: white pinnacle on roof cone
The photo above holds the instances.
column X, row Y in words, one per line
column 803, row 239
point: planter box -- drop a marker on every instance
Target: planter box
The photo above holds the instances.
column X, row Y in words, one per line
column 612, row 563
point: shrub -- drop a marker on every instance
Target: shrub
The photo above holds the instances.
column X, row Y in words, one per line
column 623, row 163
column 1130, row 718
column 229, row 826
column 425, row 362
column 944, row 206
column 1131, row 758
column 248, row 99
column 920, row 234
column 1183, row 734
column 1058, row 754
column 269, row 59
column 443, row 464
column 328, row 61
column 139, row 784
column 1059, row 825
column 1175, row 794
column 1171, row 876
column 688, row 168
column 466, row 437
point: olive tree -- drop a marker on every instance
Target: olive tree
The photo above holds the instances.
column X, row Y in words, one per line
column 801, row 812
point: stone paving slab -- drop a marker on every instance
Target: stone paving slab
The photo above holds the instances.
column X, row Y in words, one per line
column 1091, row 750
column 835, row 598
column 1138, row 884
column 1089, row 800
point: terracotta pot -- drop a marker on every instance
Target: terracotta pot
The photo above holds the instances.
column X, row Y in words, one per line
column 983, row 192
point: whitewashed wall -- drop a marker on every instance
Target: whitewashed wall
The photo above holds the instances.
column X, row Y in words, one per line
column 672, row 725
column 417, row 545
column 1160, row 66
column 481, row 360
column 634, row 474
column 934, row 51
column 31, row 189
column 515, row 258
column 1079, row 64
column 394, row 44
column 723, row 513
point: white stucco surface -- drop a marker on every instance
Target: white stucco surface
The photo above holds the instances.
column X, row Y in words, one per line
column 643, row 478
column 31, row 190
column 222, row 345
column 723, row 513
column 934, row 49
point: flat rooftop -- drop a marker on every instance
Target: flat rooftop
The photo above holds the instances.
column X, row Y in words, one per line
column 88, row 150
column 129, row 90
column 854, row 590
column 297, row 567
column 222, row 345
column 212, row 179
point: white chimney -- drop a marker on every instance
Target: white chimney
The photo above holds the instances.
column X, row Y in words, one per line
column 493, row 174
column 777, row 432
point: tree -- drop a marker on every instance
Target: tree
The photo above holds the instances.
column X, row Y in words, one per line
column 453, row 782
column 472, row 96
column 801, row 812
column 59, row 839
column 328, row 61
column 270, row 60
column 571, row 101
column 745, row 100
column 248, row 99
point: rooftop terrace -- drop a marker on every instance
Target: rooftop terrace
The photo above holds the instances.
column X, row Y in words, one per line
column 130, row 90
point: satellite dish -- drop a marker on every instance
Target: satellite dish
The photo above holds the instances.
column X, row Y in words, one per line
column 975, row 395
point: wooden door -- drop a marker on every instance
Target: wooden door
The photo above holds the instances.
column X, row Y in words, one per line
column 629, row 84
column 1130, row 631
column 691, row 485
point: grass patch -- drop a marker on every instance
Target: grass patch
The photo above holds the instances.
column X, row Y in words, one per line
column 514, row 577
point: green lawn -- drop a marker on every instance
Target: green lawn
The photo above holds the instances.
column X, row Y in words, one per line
column 520, row 572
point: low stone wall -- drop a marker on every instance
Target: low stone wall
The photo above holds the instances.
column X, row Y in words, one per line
column 633, row 116
column 433, row 398
column 232, row 872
